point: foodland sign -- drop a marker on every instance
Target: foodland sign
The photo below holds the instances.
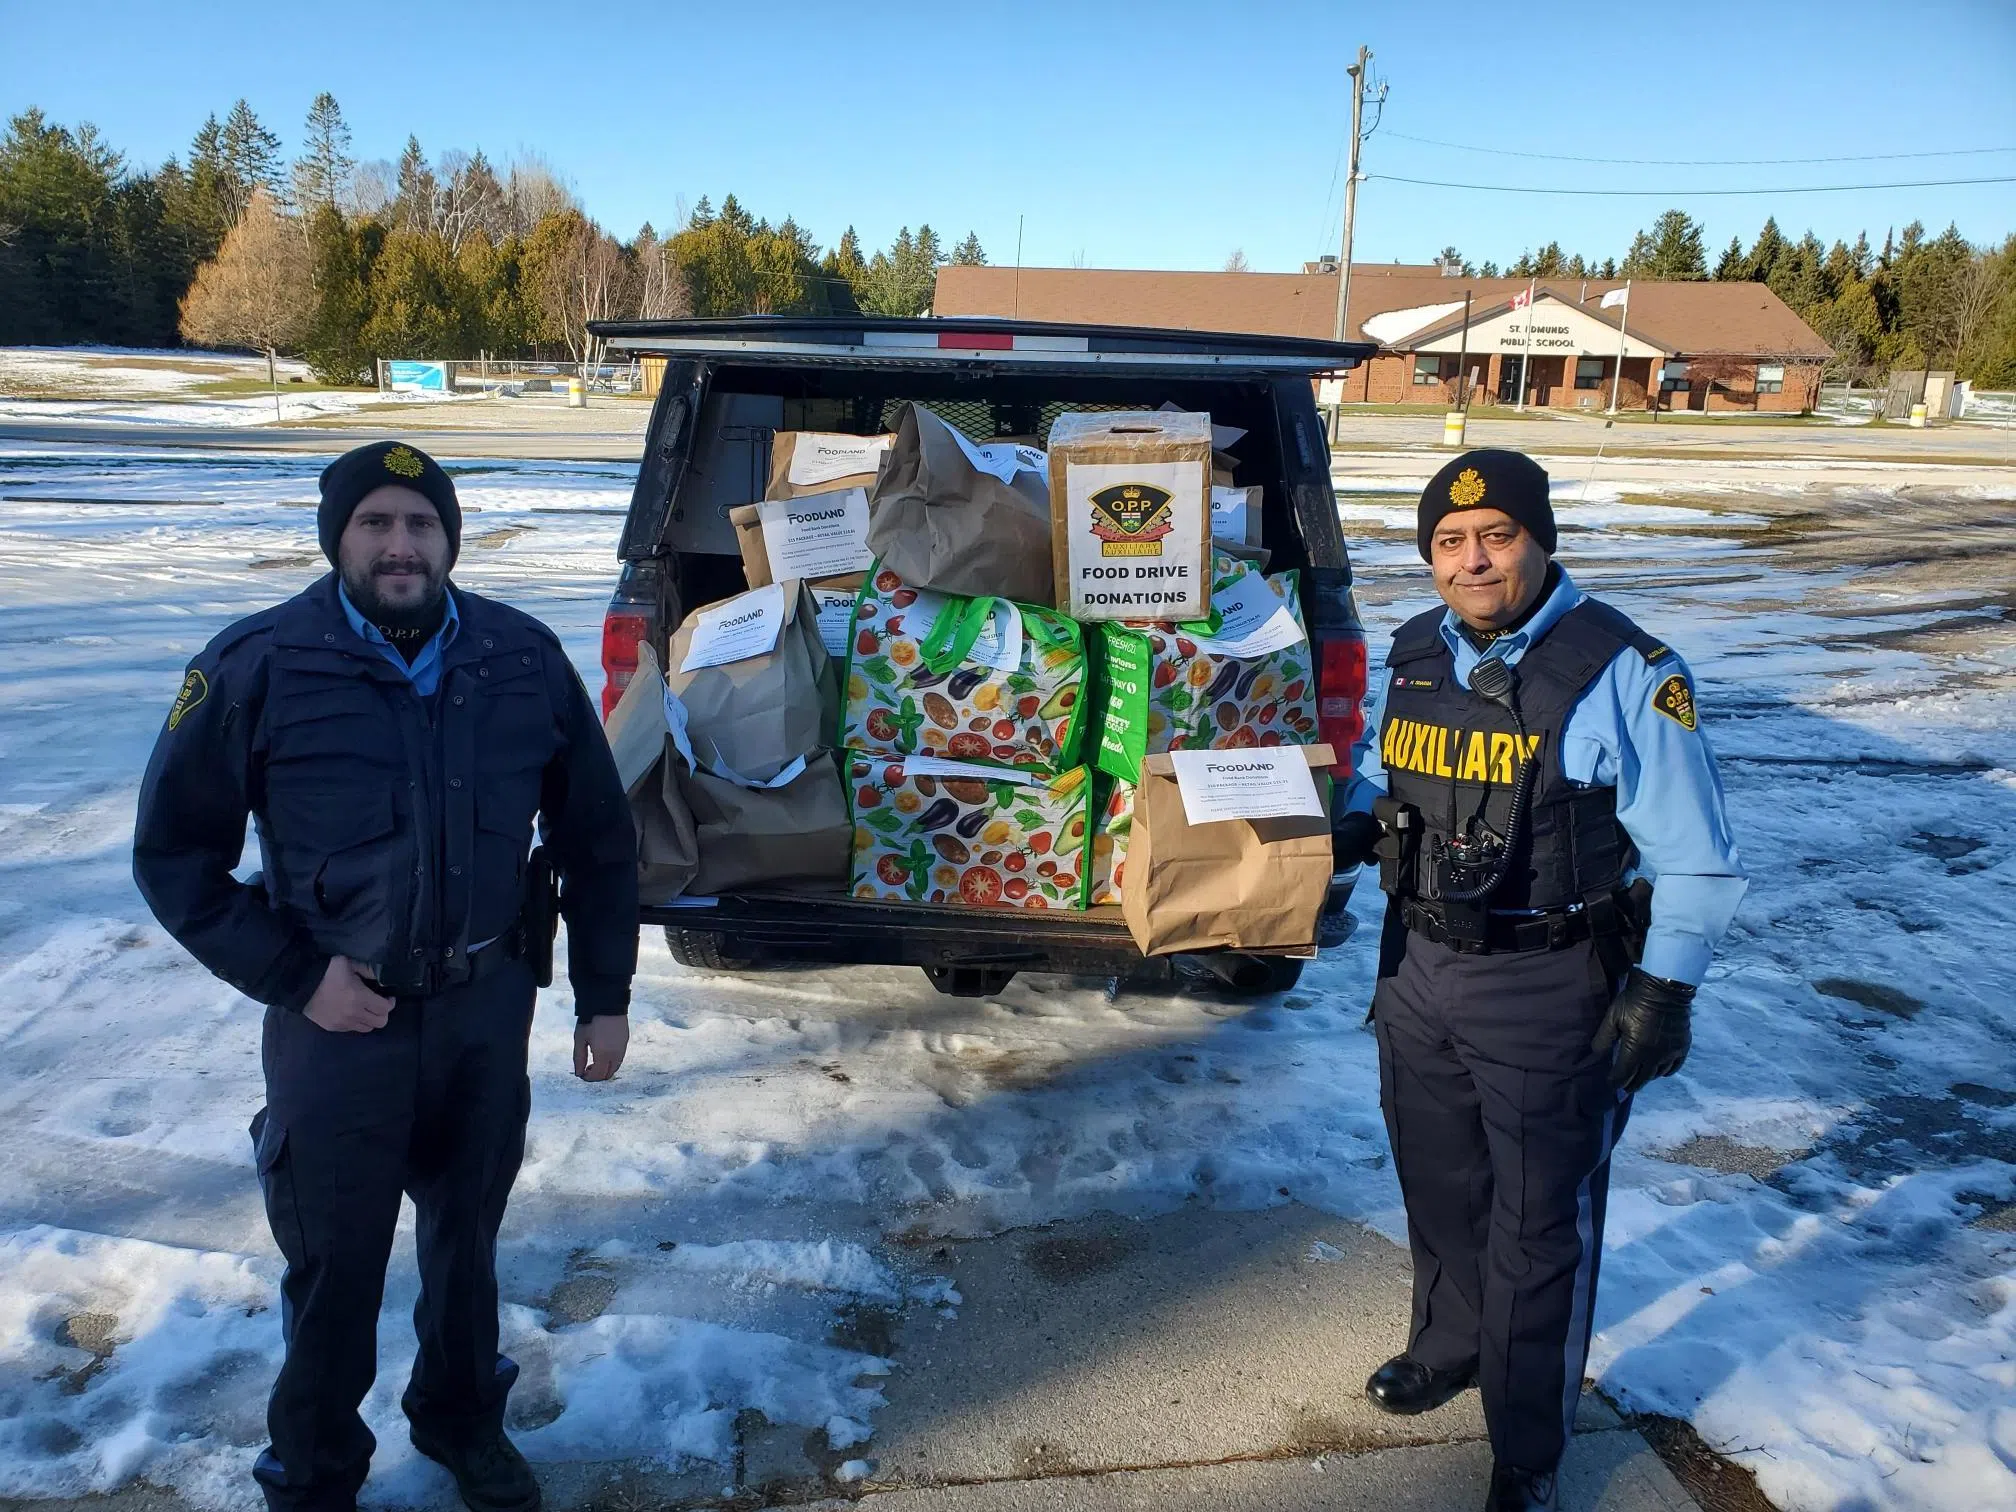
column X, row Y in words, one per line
column 1558, row 329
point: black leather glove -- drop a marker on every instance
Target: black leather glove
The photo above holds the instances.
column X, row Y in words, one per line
column 1651, row 1025
column 1352, row 840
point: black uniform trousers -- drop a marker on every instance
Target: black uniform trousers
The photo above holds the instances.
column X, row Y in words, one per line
column 433, row 1105
column 1502, row 1121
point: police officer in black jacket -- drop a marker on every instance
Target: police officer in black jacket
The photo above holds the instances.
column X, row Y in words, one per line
column 394, row 738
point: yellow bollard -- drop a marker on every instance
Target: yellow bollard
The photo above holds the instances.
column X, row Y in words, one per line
column 1452, row 428
column 577, row 394
column 1918, row 416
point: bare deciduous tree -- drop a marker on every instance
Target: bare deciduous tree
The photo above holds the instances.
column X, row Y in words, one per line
column 583, row 276
column 1237, row 263
column 258, row 291
column 661, row 291
column 1977, row 293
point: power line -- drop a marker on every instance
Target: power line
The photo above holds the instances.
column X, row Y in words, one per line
column 1559, row 157
column 1394, row 178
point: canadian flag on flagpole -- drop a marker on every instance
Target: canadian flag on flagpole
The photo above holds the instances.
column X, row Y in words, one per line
column 1523, row 298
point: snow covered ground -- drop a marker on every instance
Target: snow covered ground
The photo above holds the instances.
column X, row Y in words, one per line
column 1811, row 1252
column 166, row 387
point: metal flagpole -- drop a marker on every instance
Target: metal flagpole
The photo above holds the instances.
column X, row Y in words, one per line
column 1617, row 378
column 1531, row 285
column 1463, row 358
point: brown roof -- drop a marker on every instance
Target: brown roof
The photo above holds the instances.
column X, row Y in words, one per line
column 1689, row 319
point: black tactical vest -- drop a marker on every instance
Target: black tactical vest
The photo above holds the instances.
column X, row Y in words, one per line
column 1454, row 757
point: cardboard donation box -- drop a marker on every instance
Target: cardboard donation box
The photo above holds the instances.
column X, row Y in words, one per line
column 1130, row 512
column 1245, row 678
column 976, row 679
column 951, row 515
column 812, row 522
column 930, row 830
column 1229, row 849
column 668, row 847
column 755, row 680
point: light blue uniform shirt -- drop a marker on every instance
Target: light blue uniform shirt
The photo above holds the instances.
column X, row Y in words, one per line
column 1669, row 796
column 425, row 669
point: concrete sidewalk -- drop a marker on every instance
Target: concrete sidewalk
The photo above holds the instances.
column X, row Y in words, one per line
column 1204, row 1359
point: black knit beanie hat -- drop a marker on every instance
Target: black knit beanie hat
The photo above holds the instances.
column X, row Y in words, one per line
column 1489, row 479
column 351, row 476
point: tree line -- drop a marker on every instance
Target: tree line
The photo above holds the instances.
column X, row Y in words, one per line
column 344, row 262
column 1939, row 302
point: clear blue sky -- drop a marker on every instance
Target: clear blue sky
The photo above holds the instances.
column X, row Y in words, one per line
column 1144, row 135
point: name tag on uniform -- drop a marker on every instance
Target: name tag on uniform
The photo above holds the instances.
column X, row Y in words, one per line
column 1426, row 684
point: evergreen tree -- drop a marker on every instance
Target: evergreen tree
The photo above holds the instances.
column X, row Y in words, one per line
column 1729, row 267
column 703, row 215
column 342, row 253
column 1489, row 270
column 251, row 159
column 413, row 203
column 968, row 253
column 1762, row 260
column 211, row 207
column 1609, row 268
column 901, row 280
column 322, row 172
column 1670, row 250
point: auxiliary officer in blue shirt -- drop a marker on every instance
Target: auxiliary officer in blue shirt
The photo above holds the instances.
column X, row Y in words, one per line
column 1551, row 835
column 394, row 737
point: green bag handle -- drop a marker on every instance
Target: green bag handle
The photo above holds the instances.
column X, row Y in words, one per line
column 954, row 632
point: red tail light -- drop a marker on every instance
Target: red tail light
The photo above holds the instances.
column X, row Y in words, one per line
column 621, row 635
column 1340, row 696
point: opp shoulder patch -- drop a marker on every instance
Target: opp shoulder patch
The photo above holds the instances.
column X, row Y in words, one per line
column 1675, row 700
column 195, row 688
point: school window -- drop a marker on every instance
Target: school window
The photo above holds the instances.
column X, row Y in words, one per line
column 1675, row 381
column 1588, row 372
column 1427, row 370
column 1770, row 377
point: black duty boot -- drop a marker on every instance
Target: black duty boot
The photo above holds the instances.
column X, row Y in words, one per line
column 489, row 1471
column 1404, row 1386
column 1516, row 1490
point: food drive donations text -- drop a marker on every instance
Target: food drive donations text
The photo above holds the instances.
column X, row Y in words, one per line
column 1163, row 572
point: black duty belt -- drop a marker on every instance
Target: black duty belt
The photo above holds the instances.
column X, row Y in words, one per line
column 453, row 970
column 1546, row 931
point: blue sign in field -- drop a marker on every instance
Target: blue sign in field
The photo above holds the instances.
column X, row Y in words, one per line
column 417, row 377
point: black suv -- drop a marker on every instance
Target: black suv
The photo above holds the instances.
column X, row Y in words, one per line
column 729, row 385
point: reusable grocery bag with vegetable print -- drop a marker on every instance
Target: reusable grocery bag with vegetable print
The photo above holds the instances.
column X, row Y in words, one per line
column 1112, row 826
column 975, row 679
column 1246, row 681
column 927, row 830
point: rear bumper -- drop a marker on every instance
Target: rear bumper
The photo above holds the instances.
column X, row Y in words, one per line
column 787, row 927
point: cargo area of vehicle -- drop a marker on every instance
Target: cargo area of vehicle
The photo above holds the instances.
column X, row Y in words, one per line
column 723, row 398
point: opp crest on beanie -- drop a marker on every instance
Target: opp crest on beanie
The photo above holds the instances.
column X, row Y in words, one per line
column 356, row 473
column 1489, row 478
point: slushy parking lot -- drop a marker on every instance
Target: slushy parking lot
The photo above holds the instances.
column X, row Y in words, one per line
column 810, row 1239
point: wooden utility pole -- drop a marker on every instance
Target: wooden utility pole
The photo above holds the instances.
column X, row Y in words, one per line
column 1357, row 72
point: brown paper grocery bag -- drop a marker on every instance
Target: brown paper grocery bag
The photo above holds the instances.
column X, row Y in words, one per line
column 754, row 717
column 939, row 520
column 668, row 847
column 792, row 838
column 748, row 523
column 1239, row 884
column 817, row 457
